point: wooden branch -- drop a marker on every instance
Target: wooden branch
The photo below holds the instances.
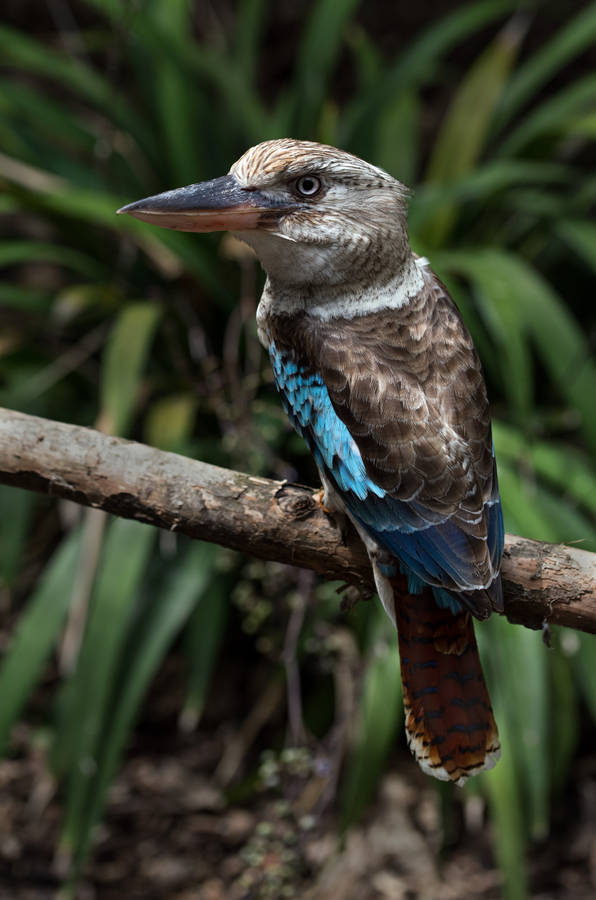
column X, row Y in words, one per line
column 269, row 519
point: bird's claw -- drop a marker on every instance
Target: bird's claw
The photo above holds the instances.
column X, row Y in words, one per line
column 352, row 594
column 319, row 498
column 337, row 516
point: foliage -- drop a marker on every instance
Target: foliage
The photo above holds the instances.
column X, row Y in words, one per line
column 139, row 332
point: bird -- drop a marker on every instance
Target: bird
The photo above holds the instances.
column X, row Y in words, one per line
column 379, row 375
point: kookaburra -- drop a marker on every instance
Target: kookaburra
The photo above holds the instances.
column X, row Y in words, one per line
column 378, row 373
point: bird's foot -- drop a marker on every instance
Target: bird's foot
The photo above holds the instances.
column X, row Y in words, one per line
column 325, row 500
column 320, row 498
column 353, row 594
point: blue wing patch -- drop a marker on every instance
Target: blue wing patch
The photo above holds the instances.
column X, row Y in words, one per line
column 306, row 401
column 430, row 548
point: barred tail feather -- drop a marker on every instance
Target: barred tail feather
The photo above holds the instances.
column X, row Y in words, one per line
column 450, row 725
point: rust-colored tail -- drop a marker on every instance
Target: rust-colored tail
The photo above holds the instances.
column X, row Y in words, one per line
column 449, row 719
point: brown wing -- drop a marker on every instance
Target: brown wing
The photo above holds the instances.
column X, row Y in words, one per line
column 408, row 385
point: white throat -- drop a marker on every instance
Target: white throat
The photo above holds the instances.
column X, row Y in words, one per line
column 393, row 294
column 344, row 301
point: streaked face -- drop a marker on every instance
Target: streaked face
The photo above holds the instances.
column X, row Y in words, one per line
column 307, row 209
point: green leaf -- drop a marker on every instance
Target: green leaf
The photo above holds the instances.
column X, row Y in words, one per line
column 398, row 137
column 20, row 297
column 161, row 618
column 580, row 235
column 508, row 833
column 51, row 119
column 318, row 50
column 86, row 699
column 169, row 422
column 519, row 668
column 561, row 466
column 175, row 93
column 36, row 634
column 467, row 122
column 532, row 510
column 560, row 342
column 32, row 56
column 583, row 126
column 583, row 650
column 124, row 360
column 502, row 313
column 379, row 716
column 569, row 41
column 249, row 27
column 564, row 719
column 552, row 116
column 519, row 508
column 368, row 61
column 30, row 252
column 48, row 194
column 415, row 67
column 202, row 640
column 17, row 506
column 479, row 186
column 203, row 64
column 513, row 786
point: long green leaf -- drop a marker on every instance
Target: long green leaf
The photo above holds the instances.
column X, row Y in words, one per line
column 504, row 785
column 32, row 56
column 502, row 313
column 580, row 235
column 397, row 140
column 379, row 717
column 318, row 50
column 552, row 115
column 175, row 93
column 216, row 68
column 564, row 718
column 202, row 643
column 124, row 360
column 559, row 340
column 52, row 119
column 562, row 466
column 479, row 186
column 569, row 41
column 169, row 422
column 519, row 508
column 30, row 252
column 467, row 122
column 85, row 702
column 509, row 837
column 36, row 634
column 415, row 66
column 162, row 617
column 584, row 650
column 249, row 27
column 99, row 208
column 521, row 671
column 17, row 506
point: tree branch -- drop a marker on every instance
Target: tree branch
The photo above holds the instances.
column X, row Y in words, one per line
column 265, row 518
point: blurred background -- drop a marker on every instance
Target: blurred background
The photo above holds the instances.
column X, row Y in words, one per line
column 177, row 720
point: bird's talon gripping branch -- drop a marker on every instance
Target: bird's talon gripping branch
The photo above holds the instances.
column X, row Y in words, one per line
column 352, row 595
column 319, row 498
column 378, row 374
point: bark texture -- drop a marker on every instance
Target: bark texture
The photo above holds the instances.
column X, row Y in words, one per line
column 269, row 519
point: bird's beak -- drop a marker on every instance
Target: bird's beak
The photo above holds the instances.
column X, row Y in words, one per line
column 218, row 205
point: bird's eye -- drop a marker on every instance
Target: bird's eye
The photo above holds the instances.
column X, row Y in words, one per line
column 308, row 185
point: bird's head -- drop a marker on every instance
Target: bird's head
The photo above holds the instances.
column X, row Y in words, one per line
column 313, row 214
